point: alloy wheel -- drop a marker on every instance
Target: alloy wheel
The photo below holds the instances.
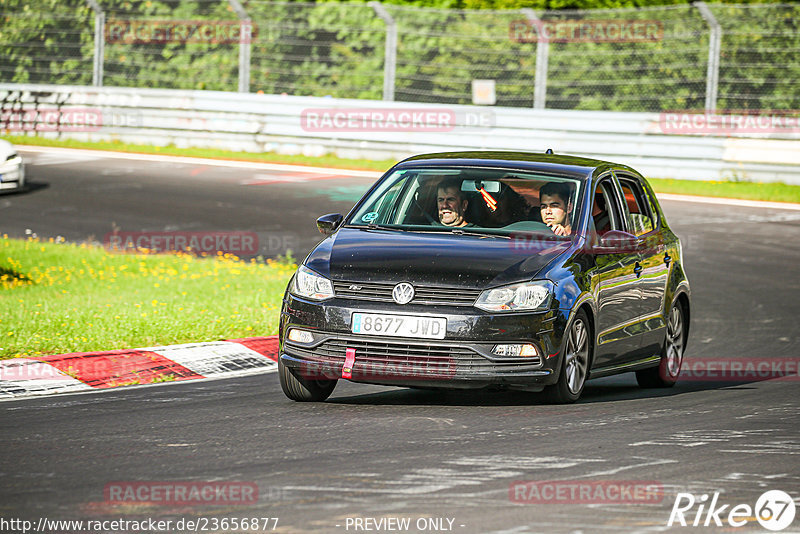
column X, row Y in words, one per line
column 674, row 348
column 577, row 356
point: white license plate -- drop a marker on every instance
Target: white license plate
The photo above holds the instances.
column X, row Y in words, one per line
column 380, row 324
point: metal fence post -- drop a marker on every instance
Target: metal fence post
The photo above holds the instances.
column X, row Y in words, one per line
column 542, row 58
column 390, row 53
column 714, row 41
column 245, row 40
column 99, row 42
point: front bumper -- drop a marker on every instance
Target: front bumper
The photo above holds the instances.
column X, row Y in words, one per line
column 12, row 176
column 463, row 359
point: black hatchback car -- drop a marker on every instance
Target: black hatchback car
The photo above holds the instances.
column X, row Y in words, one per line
column 504, row 270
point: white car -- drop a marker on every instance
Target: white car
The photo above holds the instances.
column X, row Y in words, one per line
column 12, row 169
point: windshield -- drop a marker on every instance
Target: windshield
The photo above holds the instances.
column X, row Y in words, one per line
column 473, row 199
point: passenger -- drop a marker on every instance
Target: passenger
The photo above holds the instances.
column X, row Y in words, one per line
column 556, row 207
column 602, row 221
column 451, row 203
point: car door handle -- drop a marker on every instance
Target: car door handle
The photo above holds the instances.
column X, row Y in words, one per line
column 637, row 270
column 667, row 258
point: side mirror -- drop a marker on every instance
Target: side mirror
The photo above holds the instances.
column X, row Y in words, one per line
column 327, row 224
column 617, row 242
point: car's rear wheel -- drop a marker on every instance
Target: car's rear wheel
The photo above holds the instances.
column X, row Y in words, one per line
column 574, row 363
column 666, row 374
column 302, row 389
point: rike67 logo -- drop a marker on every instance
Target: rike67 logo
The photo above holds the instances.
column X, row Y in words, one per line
column 774, row 510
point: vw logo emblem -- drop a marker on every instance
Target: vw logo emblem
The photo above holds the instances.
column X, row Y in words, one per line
column 403, row 293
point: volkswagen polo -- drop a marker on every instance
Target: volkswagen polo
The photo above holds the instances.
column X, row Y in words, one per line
column 502, row 270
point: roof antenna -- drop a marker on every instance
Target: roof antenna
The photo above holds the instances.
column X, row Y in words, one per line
column 548, row 151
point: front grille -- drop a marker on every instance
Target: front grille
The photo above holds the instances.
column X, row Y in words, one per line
column 430, row 295
column 420, row 359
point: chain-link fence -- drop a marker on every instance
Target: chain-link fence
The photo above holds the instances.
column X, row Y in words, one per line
column 685, row 57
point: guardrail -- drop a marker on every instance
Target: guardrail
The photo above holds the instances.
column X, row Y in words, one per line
column 645, row 59
column 756, row 148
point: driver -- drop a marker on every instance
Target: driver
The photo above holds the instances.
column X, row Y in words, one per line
column 451, row 204
column 555, row 207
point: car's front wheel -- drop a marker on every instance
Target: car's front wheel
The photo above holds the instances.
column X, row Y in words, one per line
column 303, row 389
column 666, row 374
column 575, row 363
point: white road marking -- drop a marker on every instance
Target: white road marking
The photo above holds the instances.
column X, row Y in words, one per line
column 696, row 438
column 43, row 158
column 99, row 154
column 752, row 218
column 460, row 472
column 626, row 467
column 730, row 201
column 217, row 359
column 23, row 377
column 265, row 179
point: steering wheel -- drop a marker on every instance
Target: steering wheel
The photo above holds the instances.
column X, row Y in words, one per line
column 424, row 212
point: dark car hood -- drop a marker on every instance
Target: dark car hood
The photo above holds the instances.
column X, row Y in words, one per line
column 442, row 259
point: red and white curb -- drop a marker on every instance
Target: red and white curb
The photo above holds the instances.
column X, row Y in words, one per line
column 87, row 371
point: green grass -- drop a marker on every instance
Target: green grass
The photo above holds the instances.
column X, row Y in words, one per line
column 775, row 192
column 58, row 298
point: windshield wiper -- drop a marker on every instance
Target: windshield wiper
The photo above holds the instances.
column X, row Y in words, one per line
column 460, row 231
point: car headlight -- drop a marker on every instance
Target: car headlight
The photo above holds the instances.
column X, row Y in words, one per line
column 13, row 162
column 527, row 296
column 310, row 285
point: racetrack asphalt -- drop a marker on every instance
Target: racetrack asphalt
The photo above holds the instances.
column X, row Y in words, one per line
column 375, row 452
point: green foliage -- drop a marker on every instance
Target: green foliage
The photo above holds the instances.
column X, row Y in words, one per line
column 46, row 40
column 337, row 49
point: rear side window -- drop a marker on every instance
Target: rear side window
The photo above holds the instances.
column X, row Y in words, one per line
column 640, row 218
column 604, row 211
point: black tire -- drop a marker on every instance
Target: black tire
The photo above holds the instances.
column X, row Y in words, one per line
column 666, row 374
column 303, row 389
column 575, row 360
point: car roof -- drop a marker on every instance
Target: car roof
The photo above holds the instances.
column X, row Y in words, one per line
column 553, row 163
